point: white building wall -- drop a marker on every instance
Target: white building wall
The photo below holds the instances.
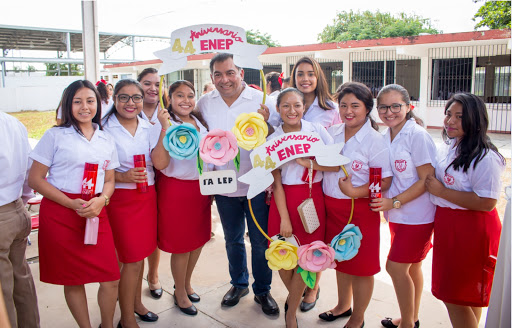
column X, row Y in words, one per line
column 39, row 93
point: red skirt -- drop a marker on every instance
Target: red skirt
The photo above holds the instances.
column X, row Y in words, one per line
column 64, row 259
column 133, row 220
column 295, row 195
column 410, row 243
column 184, row 215
column 366, row 262
column 465, row 250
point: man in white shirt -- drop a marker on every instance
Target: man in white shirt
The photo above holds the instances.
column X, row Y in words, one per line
column 18, row 287
column 220, row 108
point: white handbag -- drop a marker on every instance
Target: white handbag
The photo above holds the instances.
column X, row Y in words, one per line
column 307, row 210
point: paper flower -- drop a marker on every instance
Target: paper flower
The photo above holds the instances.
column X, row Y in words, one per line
column 346, row 244
column 218, row 147
column 250, row 130
column 181, row 141
column 316, row 257
column 281, row 255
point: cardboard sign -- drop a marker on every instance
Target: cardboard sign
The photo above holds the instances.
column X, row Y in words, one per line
column 198, row 39
column 217, row 182
column 283, row 149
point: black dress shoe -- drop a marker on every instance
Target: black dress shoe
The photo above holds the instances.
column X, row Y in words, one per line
column 328, row 316
column 148, row 317
column 155, row 293
column 234, row 295
column 389, row 324
column 194, row 298
column 305, row 307
column 118, row 325
column 191, row 310
column 268, row 304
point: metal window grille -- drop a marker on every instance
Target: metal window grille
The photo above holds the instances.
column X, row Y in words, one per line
column 376, row 69
column 483, row 70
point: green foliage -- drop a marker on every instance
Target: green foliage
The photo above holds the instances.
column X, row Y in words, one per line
column 51, row 70
column 368, row 25
column 256, row 37
column 494, row 15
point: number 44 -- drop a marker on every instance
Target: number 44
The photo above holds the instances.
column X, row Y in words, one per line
column 268, row 164
column 189, row 48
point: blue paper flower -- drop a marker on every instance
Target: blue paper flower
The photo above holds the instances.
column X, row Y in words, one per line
column 181, row 141
column 346, row 244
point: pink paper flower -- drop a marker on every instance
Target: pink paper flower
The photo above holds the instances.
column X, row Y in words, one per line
column 316, row 257
column 218, row 147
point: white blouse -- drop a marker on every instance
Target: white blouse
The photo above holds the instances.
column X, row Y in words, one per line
column 365, row 149
column 64, row 151
column 412, row 147
column 484, row 180
column 128, row 145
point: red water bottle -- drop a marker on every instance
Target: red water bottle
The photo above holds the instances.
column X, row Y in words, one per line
column 88, row 192
column 89, row 181
column 374, row 185
column 140, row 161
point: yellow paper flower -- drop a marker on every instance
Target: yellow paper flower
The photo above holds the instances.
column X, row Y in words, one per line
column 281, row 255
column 250, row 130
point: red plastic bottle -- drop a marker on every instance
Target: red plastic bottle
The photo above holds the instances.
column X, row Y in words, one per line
column 89, row 181
column 375, row 182
column 140, row 161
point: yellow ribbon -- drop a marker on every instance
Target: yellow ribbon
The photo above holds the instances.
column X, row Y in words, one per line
column 161, row 94
column 352, row 209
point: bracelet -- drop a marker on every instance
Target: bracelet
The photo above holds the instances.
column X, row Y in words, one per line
column 164, row 130
column 107, row 199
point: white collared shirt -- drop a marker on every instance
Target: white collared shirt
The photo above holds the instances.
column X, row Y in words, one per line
column 291, row 172
column 154, row 117
column 184, row 169
column 218, row 115
column 128, row 145
column 64, row 151
column 14, row 160
column 326, row 118
column 365, row 149
column 484, row 180
column 411, row 147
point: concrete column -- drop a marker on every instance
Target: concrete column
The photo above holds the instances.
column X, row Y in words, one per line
column 346, row 70
column 424, row 81
column 90, row 40
column 68, row 49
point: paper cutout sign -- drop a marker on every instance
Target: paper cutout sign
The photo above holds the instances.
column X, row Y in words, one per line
column 283, row 149
column 206, row 38
column 217, row 182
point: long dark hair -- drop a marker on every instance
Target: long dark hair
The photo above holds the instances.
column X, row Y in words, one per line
column 405, row 98
column 322, row 90
column 196, row 114
column 475, row 143
column 119, row 85
column 362, row 93
column 102, row 90
column 67, row 105
column 273, row 79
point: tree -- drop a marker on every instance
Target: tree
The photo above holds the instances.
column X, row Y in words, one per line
column 256, row 37
column 368, row 25
column 53, row 70
column 494, row 15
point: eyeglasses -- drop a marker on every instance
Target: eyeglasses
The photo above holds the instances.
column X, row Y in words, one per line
column 125, row 98
column 395, row 108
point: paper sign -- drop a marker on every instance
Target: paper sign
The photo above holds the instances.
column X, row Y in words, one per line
column 217, row 182
column 199, row 39
column 283, row 149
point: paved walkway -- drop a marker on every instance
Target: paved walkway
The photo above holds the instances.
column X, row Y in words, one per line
column 211, row 281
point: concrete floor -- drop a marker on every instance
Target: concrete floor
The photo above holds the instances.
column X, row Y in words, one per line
column 211, row 281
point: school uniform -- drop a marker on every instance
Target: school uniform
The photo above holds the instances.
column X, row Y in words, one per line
column 466, row 241
column 64, row 259
column 296, row 190
column 411, row 226
column 133, row 214
column 154, row 118
column 326, row 118
column 366, row 149
column 184, row 214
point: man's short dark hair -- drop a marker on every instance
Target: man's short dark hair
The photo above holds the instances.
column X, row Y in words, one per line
column 221, row 57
